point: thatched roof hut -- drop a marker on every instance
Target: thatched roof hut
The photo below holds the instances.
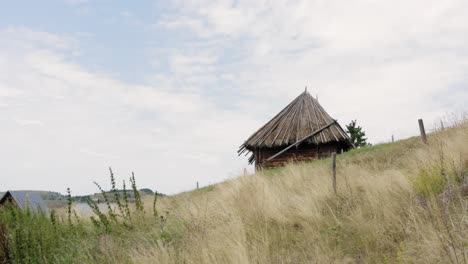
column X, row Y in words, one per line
column 300, row 132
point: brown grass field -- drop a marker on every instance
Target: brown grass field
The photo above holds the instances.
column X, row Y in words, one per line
column 397, row 203
column 402, row 202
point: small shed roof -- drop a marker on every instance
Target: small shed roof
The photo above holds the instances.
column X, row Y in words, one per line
column 25, row 199
column 299, row 119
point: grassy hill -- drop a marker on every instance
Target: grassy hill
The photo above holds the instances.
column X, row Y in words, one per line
column 403, row 202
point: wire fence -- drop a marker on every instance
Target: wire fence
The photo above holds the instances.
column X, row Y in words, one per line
column 439, row 124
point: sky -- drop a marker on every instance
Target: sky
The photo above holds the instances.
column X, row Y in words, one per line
column 170, row 89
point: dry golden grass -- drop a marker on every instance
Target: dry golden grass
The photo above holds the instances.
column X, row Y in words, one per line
column 396, row 203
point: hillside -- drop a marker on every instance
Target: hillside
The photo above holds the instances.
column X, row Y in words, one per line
column 402, row 202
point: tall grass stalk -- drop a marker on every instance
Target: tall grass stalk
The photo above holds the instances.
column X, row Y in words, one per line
column 138, row 202
column 126, row 203
column 69, row 206
column 116, row 193
column 155, row 200
column 110, row 210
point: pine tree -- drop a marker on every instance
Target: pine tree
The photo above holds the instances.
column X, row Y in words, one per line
column 357, row 134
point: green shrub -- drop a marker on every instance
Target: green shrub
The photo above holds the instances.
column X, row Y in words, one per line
column 429, row 181
column 28, row 237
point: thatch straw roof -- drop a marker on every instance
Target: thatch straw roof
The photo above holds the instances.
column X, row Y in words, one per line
column 300, row 118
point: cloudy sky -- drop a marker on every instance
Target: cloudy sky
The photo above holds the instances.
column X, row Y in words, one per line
column 170, row 89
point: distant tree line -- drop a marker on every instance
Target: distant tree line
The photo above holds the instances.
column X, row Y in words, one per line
column 56, row 196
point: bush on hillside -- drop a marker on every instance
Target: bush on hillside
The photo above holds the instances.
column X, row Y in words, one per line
column 429, row 181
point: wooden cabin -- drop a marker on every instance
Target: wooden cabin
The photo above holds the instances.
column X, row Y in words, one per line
column 24, row 200
column 302, row 131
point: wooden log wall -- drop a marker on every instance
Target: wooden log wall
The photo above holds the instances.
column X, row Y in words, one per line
column 303, row 153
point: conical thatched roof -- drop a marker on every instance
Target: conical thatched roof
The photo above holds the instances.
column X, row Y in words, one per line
column 300, row 118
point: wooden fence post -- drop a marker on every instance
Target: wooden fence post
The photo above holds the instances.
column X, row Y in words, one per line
column 334, row 171
column 422, row 130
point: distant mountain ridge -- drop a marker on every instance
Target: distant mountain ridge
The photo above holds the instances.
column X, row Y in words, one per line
column 56, row 196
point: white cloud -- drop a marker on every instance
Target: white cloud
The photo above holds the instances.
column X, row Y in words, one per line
column 97, row 154
column 26, row 38
column 72, row 123
column 383, row 63
column 26, row 122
